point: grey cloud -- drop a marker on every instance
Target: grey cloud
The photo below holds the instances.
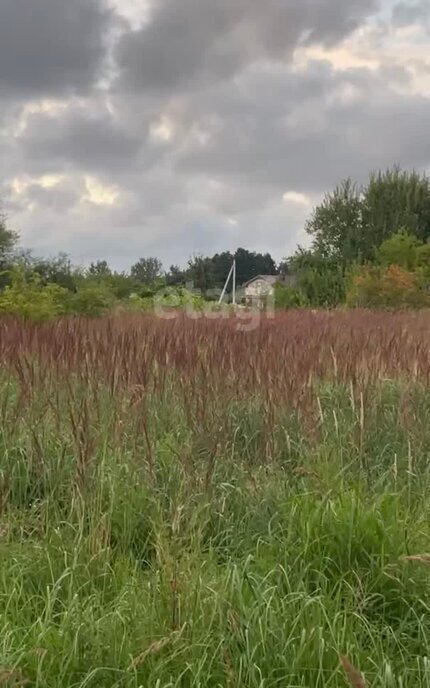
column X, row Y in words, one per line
column 189, row 42
column 242, row 126
column 273, row 130
column 78, row 137
column 407, row 13
column 308, row 135
column 51, row 46
column 59, row 198
column 36, row 197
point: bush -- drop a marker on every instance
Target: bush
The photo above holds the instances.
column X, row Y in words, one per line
column 92, row 299
column 27, row 297
column 320, row 279
column 179, row 297
column 289, row 297
column 387, row 287
column 138, row 303
column 401, row 249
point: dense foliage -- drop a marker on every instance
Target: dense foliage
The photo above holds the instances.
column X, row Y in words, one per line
column 356, row 231
column 352, row 222
column 399, row 279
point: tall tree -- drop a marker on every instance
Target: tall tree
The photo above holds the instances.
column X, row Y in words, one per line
column 147, row 270
column 336, row 225
column 99, row 269
column 210, row 272
column 175, row 276
column 395, row 200
column 200, row 273
column 250, row 265
column 58, row 270
column 8, row 241
column 221, row 266
column 352, row 222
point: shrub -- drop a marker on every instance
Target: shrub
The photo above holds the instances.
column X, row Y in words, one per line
column 29, row 298
column 289, row 297
column 139, row 303
column 401, row 249
column 179, row 297
column 387, row 287
column 92, row 299
column 320, row 279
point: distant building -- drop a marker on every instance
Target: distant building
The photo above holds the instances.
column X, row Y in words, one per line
column 260, row 291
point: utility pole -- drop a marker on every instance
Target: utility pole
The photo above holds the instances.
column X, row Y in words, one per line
column 234, row 282
column 232, row 273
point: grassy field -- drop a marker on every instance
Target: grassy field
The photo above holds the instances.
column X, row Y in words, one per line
column 183, row 504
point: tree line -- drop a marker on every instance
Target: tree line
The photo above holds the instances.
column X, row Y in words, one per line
column 43, row 287
column 369, row 246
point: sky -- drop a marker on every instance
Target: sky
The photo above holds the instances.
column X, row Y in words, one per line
column 169, row 128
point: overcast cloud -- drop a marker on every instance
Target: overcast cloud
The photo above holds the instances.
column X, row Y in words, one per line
column 170, row 127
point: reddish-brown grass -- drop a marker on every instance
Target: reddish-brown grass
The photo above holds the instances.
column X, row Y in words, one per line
column 281, row 362
column 283, row 355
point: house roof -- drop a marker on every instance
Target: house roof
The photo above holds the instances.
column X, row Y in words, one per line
column 270, row 279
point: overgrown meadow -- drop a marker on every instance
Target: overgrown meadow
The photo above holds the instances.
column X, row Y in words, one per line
column 184, row 504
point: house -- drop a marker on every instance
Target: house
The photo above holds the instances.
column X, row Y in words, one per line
column 260, row 291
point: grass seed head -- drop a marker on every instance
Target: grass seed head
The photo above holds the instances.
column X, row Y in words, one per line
column 355, row 678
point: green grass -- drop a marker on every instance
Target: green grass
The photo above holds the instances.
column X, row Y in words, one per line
column 142, row 544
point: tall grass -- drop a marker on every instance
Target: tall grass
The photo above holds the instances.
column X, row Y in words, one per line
column 183, row 504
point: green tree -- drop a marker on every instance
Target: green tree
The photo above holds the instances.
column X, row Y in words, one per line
column 175, row 276
column 250, row 264
column 396, row 200
column 336, row 225
column 120, row 284
column 58, row 270
column 221, row 266
column 352, row 222
column 200, row 273
column 320, row 279
column 147, row 270
column 209, row 272
column 8, row 241
column 99, row 269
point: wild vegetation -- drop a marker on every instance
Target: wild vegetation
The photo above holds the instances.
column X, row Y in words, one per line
column 186, row 504
column 196, row 497
column 369, row 247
